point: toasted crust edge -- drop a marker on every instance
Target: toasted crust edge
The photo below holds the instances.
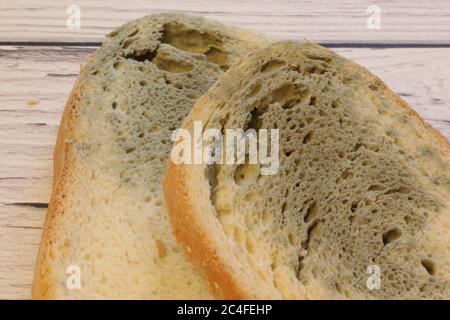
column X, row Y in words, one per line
column 44, row 281
column 189, row 232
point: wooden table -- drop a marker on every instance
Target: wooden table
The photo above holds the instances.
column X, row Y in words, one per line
column 40, row 58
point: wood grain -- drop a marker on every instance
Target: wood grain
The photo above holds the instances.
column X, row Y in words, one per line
column 35, row 83
column 419, row 21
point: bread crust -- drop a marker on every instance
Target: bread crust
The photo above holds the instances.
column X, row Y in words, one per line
column 44, row 277
column 196, row 232
column 189, row 231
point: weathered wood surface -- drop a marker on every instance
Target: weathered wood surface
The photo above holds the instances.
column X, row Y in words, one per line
column 35, row 83
column 419, row 21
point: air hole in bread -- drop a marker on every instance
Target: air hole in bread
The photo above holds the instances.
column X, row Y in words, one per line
column 117, row 65
column 130, row 149
column 323, row 113
column 398, row 142
column 272, row 65
column 401, row 189
column 347, row 175
column 354, row 206
column 316, row 70
column 391, row 235
column 254, row 121
column 376, row 187
column 314, row 56
column 408, row 219
column 338, row 287
column 250, row 196
column 288, row 153
column 292, row 239
column 375, row 85
column 336, row 104
column 311, row 212
column 161, row 248
column 239, row 236
column 217, row 56
column 283, row 210
column 266, row 217
column 211, row 175
column 165, row 62
column 133, row 33
column 289, row 95
column 429, row 266
column 307, row 138
column 255, row 89
column 183, row 38
column 126, row 43
column 178, row 85
column 191, row 95
column 251, row 245
column 141, row 55
column 246, row 173
column 312, row 228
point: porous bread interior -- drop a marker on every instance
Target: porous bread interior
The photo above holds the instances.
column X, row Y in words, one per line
column 107, row 213
column 362, row 181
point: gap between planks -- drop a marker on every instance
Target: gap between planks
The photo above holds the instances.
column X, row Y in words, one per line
column 319, row 21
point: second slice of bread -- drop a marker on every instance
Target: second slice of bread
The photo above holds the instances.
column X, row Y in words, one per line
column 363, row 186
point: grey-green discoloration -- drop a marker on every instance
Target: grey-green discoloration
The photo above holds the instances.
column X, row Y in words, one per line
column 349, row 193
column 132, row 93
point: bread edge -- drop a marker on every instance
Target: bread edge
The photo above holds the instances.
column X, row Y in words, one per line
column 44, row 281
column 188, row 232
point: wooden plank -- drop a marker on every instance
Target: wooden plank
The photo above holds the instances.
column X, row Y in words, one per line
column 319, row 21
column 35, row 83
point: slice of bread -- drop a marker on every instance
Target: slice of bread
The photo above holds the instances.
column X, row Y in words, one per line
column 107, row 224
column 359, row 207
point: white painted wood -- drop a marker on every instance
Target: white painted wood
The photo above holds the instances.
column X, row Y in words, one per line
column 34, row 85
column 320, row 21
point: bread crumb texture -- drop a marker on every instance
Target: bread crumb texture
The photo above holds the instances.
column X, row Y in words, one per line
column 362, row 181
column 107, row 213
